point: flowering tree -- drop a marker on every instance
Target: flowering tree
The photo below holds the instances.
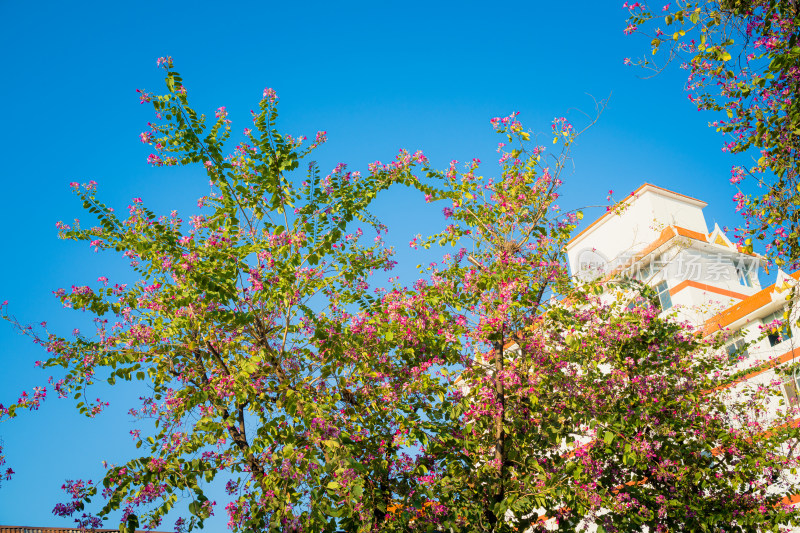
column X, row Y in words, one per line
column 607, row 420
column 743, row 59
column 234, row 326
column 4, row 475
column 582, row 411
column 472, row 400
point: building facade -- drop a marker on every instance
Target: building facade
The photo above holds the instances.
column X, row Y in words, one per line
column 661, row 238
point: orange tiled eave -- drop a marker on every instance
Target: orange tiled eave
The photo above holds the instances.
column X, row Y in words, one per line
column 769, row 365
column 704, row 287
column 670, row 233
column 667, row 234
column 791, row 500
column 741, row 309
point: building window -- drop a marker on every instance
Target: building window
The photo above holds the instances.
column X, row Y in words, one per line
column 743, row 274
column 790, row 388
column 736, row 350
column 659, row 262
column 645, row 272
column 663, row 295
column 778, row 329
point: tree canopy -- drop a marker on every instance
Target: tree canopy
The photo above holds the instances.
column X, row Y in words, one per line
column 493, row 394
column 743, row 60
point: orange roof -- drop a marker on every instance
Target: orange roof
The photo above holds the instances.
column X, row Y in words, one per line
column 760, row 369
column 707, row 288
column 791, row 500
column 667, row 234
column 741, row 309
column 627, row 198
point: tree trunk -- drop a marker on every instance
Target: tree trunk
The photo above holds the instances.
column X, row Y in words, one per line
column 499, row 436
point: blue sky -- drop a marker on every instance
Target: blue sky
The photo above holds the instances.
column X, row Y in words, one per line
column 377, row 76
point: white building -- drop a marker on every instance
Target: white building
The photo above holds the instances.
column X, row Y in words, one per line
column 661, row 237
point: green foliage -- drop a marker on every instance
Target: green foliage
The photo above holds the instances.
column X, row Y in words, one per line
column 494, row 395
column 743, row 58
column 237, row 326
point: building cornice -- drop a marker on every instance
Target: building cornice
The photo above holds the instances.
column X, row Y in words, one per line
column 685, row 284
column 743, row 310
column 647, row 187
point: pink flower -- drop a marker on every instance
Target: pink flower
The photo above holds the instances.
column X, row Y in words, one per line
column 143, row 96
column 152, row 288
column 737, row 175
column 740, row 200
column 270, row 95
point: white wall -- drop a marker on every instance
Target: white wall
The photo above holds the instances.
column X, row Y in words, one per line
column 636, row 225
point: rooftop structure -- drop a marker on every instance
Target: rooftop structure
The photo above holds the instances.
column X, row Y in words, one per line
column 660, row 237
